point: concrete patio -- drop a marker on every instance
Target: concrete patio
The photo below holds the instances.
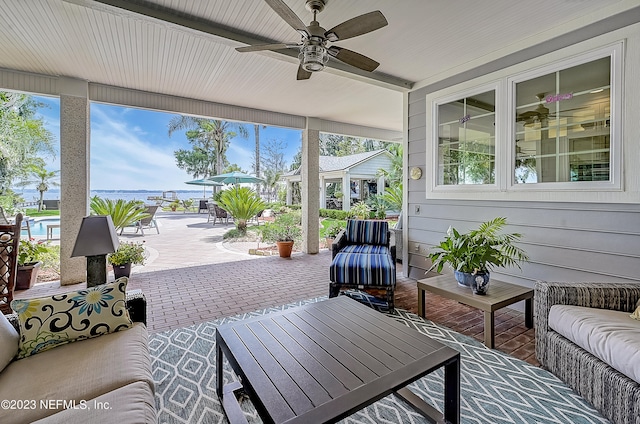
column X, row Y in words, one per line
column 192, row 276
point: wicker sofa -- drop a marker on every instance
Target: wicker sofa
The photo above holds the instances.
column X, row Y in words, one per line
column 613, row 393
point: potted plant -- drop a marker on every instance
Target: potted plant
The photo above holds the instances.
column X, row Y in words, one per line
column 174, row 205
column 126, row 255
column 29, row 261
column 332, row 232
column 284, row 231
column 360, row 210
column 472, row 255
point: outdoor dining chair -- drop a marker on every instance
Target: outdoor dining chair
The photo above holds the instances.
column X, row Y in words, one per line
column 217, row 213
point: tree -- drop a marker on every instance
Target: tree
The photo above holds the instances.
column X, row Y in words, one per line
column 23, row 138
column 273, row 159
column 271, row 179
column 209, row 139
column 43, row 179
column 394, row 174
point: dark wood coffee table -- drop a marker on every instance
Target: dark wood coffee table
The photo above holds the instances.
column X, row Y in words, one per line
column 321, row 362
column 499, row 295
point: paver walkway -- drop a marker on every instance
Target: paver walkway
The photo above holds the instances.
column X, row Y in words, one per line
column 192, row 276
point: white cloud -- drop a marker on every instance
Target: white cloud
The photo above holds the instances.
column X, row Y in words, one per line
column 122, row 158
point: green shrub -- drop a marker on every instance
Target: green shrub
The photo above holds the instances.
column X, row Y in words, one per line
column 243, row 204
column 123, row 212
column 286, row 227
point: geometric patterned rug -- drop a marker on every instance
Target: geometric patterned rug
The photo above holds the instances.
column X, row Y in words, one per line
column 495, row 387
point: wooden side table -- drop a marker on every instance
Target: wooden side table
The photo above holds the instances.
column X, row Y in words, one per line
column 499, row 295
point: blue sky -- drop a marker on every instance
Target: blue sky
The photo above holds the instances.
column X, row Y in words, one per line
column 131, row 148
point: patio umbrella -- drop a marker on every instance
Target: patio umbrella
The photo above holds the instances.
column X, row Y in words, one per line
column 204, row 182
column 235, row 178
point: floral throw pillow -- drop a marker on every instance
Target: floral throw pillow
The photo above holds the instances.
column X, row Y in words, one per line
column 48, row 322
column 636, row 313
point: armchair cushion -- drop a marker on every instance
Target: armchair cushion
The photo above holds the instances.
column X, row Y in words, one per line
column 48, row 322
column 363, row 269
column 608, row 335
column 366, row 249
column 367, row 232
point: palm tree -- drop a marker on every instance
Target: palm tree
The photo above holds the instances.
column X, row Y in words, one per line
column 43, row 180
column 209, row 137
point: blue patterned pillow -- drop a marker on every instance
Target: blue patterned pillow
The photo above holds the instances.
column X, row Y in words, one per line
column 48, row 322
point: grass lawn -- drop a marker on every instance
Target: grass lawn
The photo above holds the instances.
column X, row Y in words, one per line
column 35, row 213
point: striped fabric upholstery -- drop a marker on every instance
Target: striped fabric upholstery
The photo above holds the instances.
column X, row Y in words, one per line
column 363, row 269
column 368, row 249
column 367, row 232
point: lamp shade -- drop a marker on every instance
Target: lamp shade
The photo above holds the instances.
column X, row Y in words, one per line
column 97, row 236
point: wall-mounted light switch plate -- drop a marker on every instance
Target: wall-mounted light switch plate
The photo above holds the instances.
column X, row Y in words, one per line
column 417, row 209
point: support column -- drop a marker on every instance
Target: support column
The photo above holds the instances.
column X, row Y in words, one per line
column 310, row 186
column 289, row 199
column 323, row 194
column 380, row 188
column 74, row 174
column 346, row 191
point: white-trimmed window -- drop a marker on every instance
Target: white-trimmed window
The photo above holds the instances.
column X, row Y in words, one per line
column 565, row 124
column 553, row 128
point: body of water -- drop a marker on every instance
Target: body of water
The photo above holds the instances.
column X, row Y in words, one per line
column 143, row 195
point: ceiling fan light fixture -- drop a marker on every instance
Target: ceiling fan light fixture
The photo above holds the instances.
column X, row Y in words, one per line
column 313, row 58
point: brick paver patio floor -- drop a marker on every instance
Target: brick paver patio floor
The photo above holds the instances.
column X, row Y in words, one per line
column 192, row 276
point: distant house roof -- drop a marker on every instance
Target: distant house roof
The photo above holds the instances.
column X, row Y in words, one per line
column 340, row 163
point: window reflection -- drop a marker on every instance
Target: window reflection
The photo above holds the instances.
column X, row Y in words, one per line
column 562, row 125
column 466, row 140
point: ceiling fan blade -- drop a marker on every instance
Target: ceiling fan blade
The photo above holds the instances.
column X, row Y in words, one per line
column 357, row 26
column 352, row 58
column 260, row 47
column 302, row 74
column 287, row 14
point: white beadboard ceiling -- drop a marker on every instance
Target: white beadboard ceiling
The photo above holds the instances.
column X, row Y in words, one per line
column 424, row 41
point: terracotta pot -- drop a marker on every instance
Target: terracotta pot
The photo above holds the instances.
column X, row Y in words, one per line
column 123, row 270
column 285, row 248
column 27, row 275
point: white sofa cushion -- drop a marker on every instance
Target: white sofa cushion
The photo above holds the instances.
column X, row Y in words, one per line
column 608, row 335
column 133, row 403
column 9, row 340
column 76, row 371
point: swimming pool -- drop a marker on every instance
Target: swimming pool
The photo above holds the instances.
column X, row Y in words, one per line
column 39, row 228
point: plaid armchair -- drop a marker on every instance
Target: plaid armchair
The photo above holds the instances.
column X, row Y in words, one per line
column 364, row 257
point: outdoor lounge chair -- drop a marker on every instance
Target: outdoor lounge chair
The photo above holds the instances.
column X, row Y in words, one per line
column 149, row 222
column 9, row 239
column 364, row 258
column 4, row 220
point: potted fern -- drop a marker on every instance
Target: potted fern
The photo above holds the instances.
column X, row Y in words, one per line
column 126, row 255
column 472, row 255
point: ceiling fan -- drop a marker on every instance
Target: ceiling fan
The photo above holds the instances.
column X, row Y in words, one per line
column 314, row 51
column 539, row 114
